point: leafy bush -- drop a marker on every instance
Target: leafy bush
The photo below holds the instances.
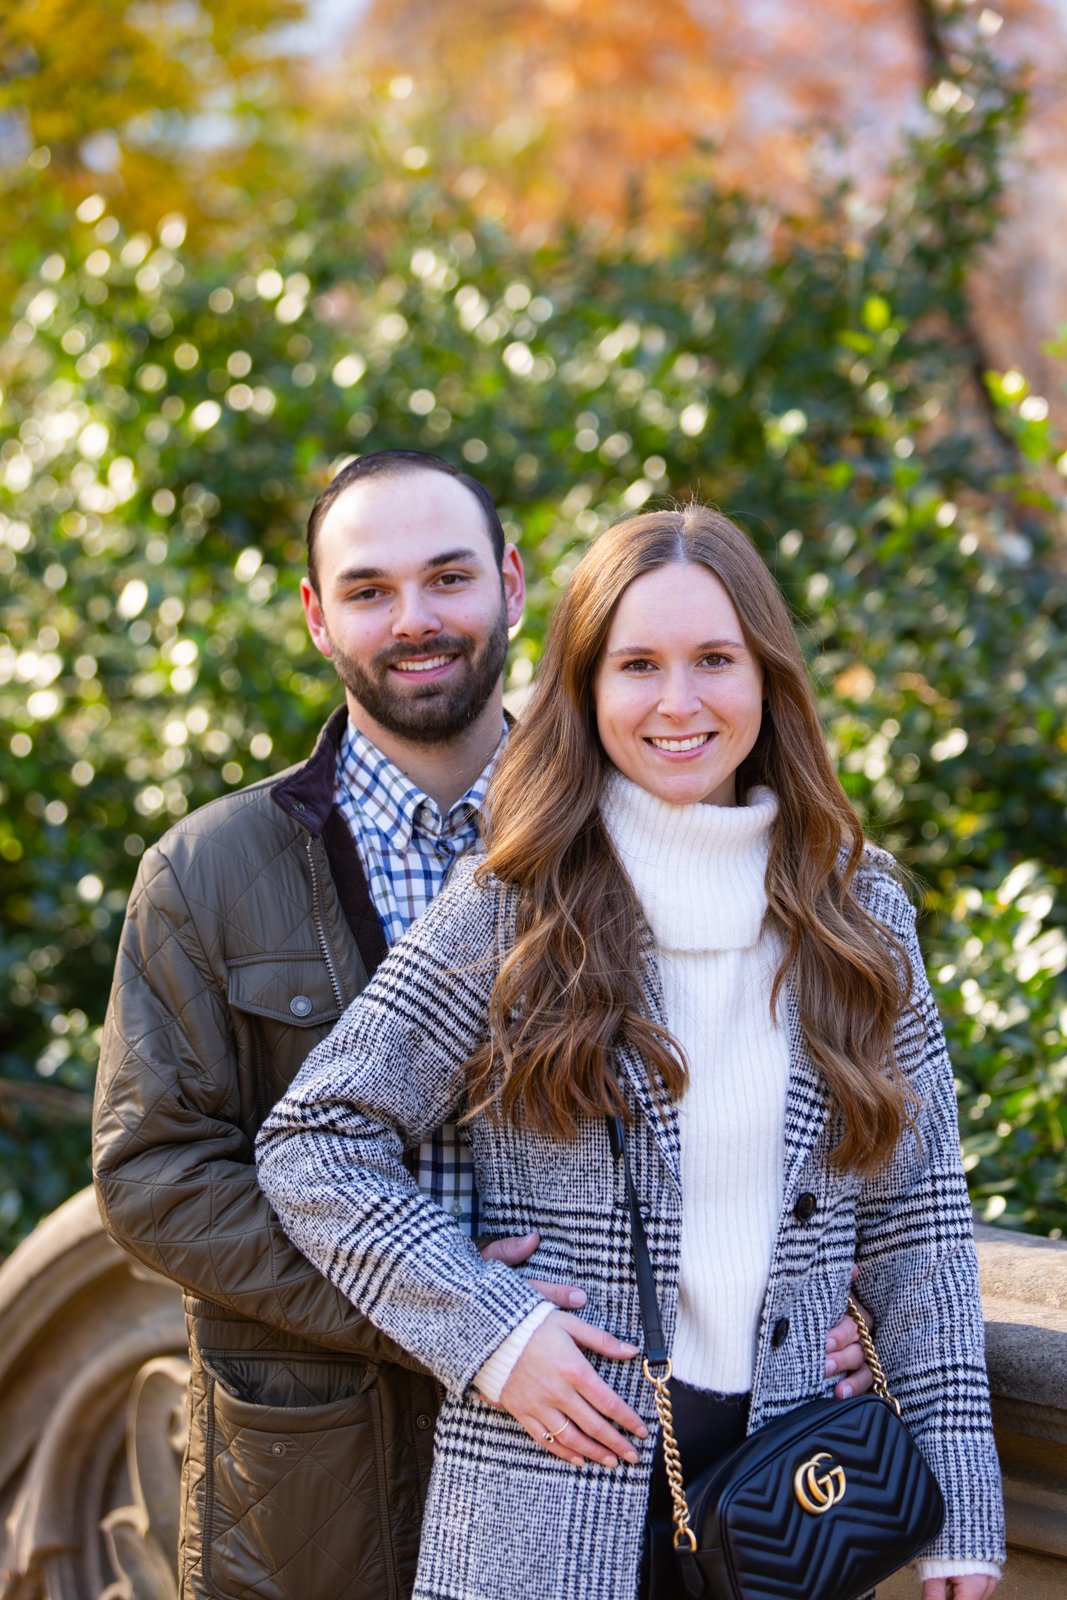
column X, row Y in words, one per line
column 169, row 418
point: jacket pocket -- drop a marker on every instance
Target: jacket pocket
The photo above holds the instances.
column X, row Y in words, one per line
column 294, row 1493
column 292, row 989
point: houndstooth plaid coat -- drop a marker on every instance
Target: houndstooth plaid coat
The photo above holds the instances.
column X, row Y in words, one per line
column 504, row 1519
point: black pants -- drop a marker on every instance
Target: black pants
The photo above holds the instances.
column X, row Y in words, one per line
column 706, row 1426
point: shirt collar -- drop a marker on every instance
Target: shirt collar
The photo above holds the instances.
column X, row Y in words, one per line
column 391, row 802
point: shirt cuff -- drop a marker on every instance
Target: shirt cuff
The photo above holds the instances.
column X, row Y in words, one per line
column 943, row 1568
column 491, row 1378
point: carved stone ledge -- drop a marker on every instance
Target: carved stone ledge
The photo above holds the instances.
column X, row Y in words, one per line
column 1024, row 1298
column 92, row 1404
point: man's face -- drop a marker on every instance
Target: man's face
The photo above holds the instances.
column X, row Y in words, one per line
column 412, row 607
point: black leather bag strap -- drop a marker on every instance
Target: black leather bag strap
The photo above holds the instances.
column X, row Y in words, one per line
column 655, row 1344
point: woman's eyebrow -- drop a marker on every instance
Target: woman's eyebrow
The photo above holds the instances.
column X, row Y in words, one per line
column 651, row 650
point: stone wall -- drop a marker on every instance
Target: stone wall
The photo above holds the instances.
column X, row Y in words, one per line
column 1024, row 1296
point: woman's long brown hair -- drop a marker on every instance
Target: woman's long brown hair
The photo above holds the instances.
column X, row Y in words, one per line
column 568, row 992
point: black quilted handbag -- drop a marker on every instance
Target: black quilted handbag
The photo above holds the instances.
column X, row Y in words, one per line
column 821, row 1504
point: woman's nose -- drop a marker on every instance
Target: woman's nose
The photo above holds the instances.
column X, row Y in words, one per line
column 678, row 697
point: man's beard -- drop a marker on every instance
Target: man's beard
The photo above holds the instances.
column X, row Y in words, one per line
column 431, row 713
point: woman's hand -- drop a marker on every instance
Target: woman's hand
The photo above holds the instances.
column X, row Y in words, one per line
column 553, row 1390
column 976, row 1587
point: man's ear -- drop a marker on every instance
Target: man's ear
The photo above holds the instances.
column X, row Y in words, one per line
column 513, row 581
column 315, row 620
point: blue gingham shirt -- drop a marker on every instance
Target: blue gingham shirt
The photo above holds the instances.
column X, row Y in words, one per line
column 407, row 849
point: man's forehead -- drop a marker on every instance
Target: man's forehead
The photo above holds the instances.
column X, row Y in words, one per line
column 401, row 515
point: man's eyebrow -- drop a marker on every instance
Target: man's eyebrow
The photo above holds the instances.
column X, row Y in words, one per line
column 650, row 650
column 447, row 558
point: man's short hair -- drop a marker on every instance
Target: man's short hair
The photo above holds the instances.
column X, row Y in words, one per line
column 378, row 464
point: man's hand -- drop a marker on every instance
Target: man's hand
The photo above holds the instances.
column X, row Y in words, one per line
column 976, row 1587
column 844, row 1354
column 513, row 1252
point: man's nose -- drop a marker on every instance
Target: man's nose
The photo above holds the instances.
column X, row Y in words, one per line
column 415, row 615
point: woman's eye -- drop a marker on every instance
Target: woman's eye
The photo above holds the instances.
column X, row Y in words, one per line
column 716, row 660
column 638, row 664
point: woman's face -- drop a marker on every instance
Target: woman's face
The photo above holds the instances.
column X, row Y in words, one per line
column 678, row 694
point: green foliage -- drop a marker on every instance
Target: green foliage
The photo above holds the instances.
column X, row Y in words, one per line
column 167, row 420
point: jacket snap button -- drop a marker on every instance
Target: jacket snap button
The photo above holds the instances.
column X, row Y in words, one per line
column 277, row 1449
column 781, row 1332
column 805, row 1207
column 422, row 1420
column 300, row 1005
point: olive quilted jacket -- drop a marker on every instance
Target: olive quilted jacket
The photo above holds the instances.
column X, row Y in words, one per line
column 249, row 931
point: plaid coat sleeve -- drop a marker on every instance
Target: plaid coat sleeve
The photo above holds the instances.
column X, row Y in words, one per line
column 331, row 1152
column 919, row 1274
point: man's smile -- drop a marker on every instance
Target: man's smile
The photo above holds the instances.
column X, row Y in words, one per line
column 423, row 664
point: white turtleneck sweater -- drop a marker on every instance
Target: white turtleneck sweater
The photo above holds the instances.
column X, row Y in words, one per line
column 698, row 872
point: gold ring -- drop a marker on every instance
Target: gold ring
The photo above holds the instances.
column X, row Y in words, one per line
column 550, row 1438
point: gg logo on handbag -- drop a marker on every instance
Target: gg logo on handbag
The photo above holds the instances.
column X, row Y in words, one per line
column 817, row 1492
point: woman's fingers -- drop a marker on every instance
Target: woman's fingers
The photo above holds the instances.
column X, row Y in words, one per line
column 599, row 1339
column 552, row 1387
column 976, row 1586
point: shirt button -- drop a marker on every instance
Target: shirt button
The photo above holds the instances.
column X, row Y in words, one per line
column 300, row 1005
column 805, row 1207
column 781, row 1332
column 457, row 1209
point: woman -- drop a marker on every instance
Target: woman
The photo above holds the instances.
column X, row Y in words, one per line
column 677, row 918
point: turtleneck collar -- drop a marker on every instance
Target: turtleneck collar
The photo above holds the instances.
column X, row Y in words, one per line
column 698, row 871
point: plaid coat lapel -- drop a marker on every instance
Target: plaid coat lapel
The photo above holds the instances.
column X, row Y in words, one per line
column 660, row 1113
column 807, row 1100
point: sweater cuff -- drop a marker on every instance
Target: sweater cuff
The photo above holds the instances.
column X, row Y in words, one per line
column 490, row 1379
column 944, row 1568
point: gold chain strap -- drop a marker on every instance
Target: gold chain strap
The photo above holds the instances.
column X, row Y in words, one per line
column 683, row 1533
column 881, row 1385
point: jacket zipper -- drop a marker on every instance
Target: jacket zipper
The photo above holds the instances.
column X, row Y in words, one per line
column 324, row 946
column 383, row 1493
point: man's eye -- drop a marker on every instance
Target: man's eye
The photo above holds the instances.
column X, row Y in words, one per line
column 364, row 594
column 451, row 579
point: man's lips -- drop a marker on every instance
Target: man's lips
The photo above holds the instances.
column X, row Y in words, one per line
column 420, row 664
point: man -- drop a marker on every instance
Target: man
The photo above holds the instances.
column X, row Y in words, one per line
column 252, row 925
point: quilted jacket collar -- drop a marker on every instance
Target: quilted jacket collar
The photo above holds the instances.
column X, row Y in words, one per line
column 305, row 793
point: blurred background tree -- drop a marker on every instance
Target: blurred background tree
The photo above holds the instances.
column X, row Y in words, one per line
column 175, row 391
